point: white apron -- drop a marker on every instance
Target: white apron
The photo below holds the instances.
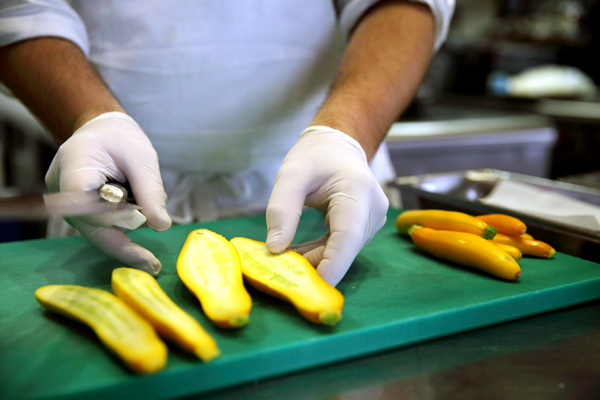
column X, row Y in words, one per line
column 222, row 89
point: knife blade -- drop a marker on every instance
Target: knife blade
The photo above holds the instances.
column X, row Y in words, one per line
column 109, row 197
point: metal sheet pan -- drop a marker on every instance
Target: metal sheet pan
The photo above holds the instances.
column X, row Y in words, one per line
column 461, row 191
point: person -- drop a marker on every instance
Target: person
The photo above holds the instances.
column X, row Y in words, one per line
column 219, row 92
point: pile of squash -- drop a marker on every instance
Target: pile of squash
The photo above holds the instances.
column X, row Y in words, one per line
column 492, row 243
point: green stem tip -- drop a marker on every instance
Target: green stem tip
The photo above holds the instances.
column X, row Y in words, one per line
column 413, row 228
column 330, row 317
column 489, row 232
column 239, row 320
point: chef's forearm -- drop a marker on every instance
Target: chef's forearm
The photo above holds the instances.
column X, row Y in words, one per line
column 382, row 67
column 52, row 77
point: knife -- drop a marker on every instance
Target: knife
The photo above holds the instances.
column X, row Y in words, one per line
column 109, row 197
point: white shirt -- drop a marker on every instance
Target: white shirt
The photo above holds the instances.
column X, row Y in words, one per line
column 222, row 88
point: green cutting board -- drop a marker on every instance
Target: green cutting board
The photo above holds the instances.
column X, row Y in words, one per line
column 395, row 295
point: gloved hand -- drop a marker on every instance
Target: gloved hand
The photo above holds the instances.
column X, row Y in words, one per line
column 113, row 146
column 327, row 170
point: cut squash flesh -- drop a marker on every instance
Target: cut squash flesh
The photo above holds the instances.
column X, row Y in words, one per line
column 209, row 266
column 142, row 293
column 290, row 277
column 118, row 326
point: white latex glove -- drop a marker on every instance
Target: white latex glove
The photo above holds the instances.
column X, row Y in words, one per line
column 113, row 146
column 327, row 170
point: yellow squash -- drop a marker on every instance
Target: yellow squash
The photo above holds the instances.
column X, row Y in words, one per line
column 527, row 246
column 119, row 327
column 142, row 293
column 209, row 266
column 290, row 277
column 504, row 223
column 513, row 251
column 444, row 220
column 466, row 249
column 526, row 236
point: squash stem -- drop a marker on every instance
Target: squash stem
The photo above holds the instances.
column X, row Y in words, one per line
column 330, row 317
column 413, row 228
column 489, row 232
column 239, row 320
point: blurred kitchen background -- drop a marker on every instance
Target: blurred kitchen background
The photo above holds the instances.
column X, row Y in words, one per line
column 513, row 88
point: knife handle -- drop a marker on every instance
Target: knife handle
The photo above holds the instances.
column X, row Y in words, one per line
column 116, row 192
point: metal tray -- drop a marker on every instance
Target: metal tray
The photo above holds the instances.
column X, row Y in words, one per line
column 461, row 191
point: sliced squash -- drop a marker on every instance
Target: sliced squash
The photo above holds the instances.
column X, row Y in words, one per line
column 290, row 277
column 118, row 326
column 209, row 266
column 142, row 293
